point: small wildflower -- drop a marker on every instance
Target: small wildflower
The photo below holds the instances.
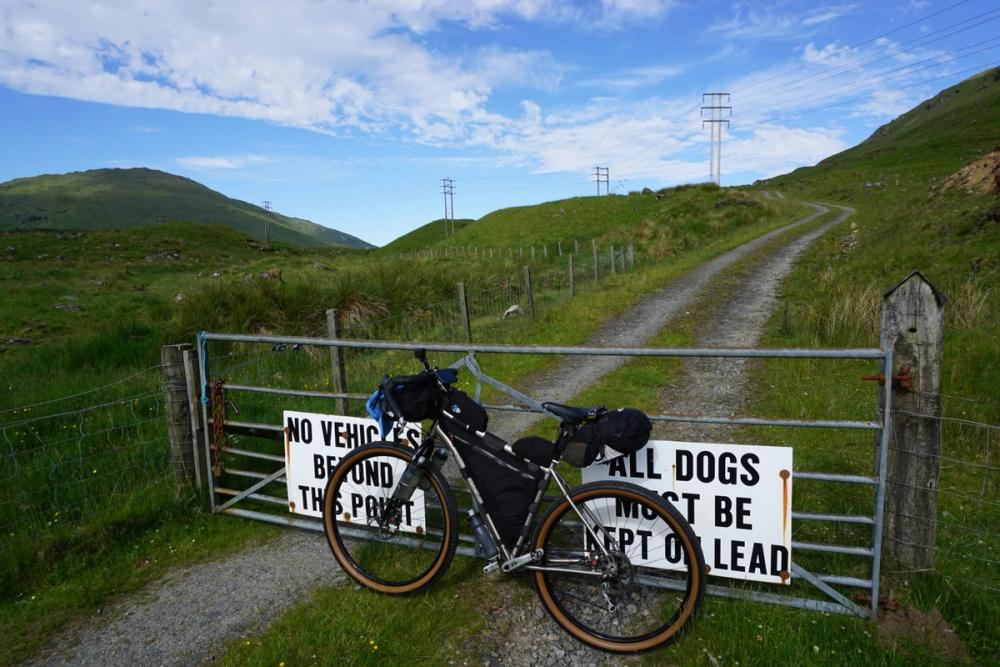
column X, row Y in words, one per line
column 815, row 649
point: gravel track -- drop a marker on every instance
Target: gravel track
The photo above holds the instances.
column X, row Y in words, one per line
column 188, row 616
column 718, row 387
column 631, row 329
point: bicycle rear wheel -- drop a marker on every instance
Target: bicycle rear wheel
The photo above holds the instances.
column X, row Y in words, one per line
column 639, row 591
column 389, row 547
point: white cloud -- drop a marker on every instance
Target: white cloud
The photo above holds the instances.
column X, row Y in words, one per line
column 759, row 21
column 326, row 67
column 827, row 14
column 832, row 55
column 222, row 162
column 633, row 78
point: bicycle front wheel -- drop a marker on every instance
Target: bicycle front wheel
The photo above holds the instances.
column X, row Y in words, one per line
column 623, row 572
column 388, row 546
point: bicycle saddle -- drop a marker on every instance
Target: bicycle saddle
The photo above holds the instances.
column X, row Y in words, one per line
column 572, row 415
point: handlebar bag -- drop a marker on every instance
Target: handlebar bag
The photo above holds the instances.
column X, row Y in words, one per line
column 417, row 396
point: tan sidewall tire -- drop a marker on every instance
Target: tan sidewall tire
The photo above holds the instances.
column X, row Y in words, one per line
column 689, row 545
column 333, row 538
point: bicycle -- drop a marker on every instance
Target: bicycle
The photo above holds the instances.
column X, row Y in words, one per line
column 614, row 564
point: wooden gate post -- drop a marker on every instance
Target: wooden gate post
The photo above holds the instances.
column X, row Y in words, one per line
column 337, row 366
column 611, row 254
column 178, row 412
column 463, row 306
column 912, row 319
column 529, row 293
column 191, row 366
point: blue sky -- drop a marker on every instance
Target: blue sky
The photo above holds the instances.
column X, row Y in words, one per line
column 351, row 113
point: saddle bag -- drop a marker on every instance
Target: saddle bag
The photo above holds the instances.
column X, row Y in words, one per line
column 625, row 430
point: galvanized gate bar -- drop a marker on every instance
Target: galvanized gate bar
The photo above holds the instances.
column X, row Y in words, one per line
column 823, row 582
column 254, row 487
column 800, row 571
column 777, row 353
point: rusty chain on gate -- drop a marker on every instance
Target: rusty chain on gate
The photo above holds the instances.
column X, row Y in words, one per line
column 219, row 405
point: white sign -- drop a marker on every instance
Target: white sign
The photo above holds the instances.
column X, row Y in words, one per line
column 738, row 499
column 315, row 443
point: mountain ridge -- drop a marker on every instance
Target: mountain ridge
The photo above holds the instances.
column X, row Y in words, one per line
column 131, row 198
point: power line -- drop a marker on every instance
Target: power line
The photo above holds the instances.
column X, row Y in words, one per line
column 718, row 106
column 267, row 224
column 448, row 190
column 869, row 40
column 601, row 176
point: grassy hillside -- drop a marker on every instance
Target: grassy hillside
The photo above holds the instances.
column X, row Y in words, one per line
column 138, row 198
column 423, row 237
column 914, row 151
column 905, row 221
column 660, row 223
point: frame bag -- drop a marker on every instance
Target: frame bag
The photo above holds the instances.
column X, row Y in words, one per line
column 507, row 485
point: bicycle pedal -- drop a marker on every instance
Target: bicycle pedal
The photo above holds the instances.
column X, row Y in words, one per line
column 491, row 567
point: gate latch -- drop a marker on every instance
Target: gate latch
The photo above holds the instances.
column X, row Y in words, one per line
column 904, row 379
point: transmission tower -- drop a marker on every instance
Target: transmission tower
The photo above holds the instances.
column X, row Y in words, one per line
column 714, row 107
column 601, row 176
column 448, row 189
column 267, row 224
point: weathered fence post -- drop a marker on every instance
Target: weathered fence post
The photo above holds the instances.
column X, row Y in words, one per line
column 529, row 292
column 545, row 251
column 631, row 255
column 178, row 411
column 463, row 305
column 559, row 245
column 190, row 358
column 597, row 272
column 912, row 319
column 336, row 360
column 576, row 247
column 611, row 253
column 532, row 252
column 572, row 279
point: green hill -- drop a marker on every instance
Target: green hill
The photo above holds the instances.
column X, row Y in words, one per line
column 423, row 237
column 923, row 145
column 136, row 198
column 660, row 222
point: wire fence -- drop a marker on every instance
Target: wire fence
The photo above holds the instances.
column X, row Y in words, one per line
column 74, row 464
column 967, row 516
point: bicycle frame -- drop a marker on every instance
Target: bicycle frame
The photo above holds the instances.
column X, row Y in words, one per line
column 549, row 475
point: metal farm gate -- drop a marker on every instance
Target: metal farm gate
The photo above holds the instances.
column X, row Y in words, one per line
column 264, row 467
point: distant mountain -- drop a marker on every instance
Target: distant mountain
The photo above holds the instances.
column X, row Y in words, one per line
column 135, row 198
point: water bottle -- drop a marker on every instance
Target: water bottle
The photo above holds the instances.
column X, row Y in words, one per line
column 483, row 536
